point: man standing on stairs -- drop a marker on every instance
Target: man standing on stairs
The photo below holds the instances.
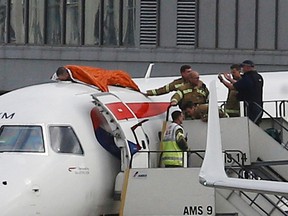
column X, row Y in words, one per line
column 174, row 142
column 250, row 90
column 232, row 104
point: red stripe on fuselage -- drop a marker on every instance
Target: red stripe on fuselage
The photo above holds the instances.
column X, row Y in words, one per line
column 141, row 110
column 144, row 110
column 120, row 111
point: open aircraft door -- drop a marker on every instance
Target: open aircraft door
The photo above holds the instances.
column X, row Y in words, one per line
column 126, row 129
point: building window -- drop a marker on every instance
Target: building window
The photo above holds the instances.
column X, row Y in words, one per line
column 17, row 17
column 36, row 22
column 12, row 21
column 3, row 18
column 186, row 22
column 129, row 17
column 111, row 22
column 92, row 22
column 54, row 21
column 71, row 22
column 149, row 22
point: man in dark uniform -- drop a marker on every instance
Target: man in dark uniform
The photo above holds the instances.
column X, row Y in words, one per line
column 250, row 90
column 185, row 70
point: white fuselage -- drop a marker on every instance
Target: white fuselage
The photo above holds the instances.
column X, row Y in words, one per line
column 52, row 183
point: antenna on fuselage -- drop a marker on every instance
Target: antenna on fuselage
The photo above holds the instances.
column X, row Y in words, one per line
column 149, row 70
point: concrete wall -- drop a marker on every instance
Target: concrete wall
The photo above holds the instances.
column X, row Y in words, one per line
column 227, row 32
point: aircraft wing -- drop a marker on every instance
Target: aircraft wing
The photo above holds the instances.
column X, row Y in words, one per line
column 212, row 172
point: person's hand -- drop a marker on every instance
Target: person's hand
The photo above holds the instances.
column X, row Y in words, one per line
column 144, row 93
column 204, row 118
column 173, row 103
column 228, row 76
column 220, row 77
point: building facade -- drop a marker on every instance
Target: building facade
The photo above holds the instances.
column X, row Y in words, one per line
column 38, row 36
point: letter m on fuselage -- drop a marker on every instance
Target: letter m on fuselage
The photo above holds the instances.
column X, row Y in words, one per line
column 6, row 115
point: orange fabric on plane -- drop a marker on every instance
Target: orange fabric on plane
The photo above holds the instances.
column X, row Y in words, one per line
column 101, row 77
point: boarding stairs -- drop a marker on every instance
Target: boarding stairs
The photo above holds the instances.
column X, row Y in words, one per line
column 244, row 144
column 256, row 145
column 264, row 204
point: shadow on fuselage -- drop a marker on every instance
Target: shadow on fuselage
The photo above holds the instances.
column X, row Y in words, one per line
column 3, row 92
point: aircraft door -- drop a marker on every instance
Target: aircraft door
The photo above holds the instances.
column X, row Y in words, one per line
column 140, row 159
column 126, row 129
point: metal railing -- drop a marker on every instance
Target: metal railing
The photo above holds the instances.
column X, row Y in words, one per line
column 247, row 173
column 158, row 154
column 276, row 108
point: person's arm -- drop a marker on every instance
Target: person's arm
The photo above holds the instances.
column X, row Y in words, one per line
column 173, row 86
column 181, row 140
column 176, row 98
column 228, row 76
column 229, row 85
column 154, row 92
column 206, row 93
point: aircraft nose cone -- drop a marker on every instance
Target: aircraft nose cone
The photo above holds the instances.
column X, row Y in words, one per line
column 18, row 191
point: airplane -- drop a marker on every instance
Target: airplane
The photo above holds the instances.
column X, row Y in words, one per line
column 61, row 145
column 64, row 145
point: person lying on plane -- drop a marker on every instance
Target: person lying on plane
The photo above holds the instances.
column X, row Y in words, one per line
column 98, row 77
column 63, row 75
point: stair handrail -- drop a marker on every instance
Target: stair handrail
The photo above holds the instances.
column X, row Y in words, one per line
column 253, row 175
column 279, row 106
column 282, row 105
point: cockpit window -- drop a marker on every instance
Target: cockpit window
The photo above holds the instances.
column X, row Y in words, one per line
column 64, row 140
column 21, row 139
